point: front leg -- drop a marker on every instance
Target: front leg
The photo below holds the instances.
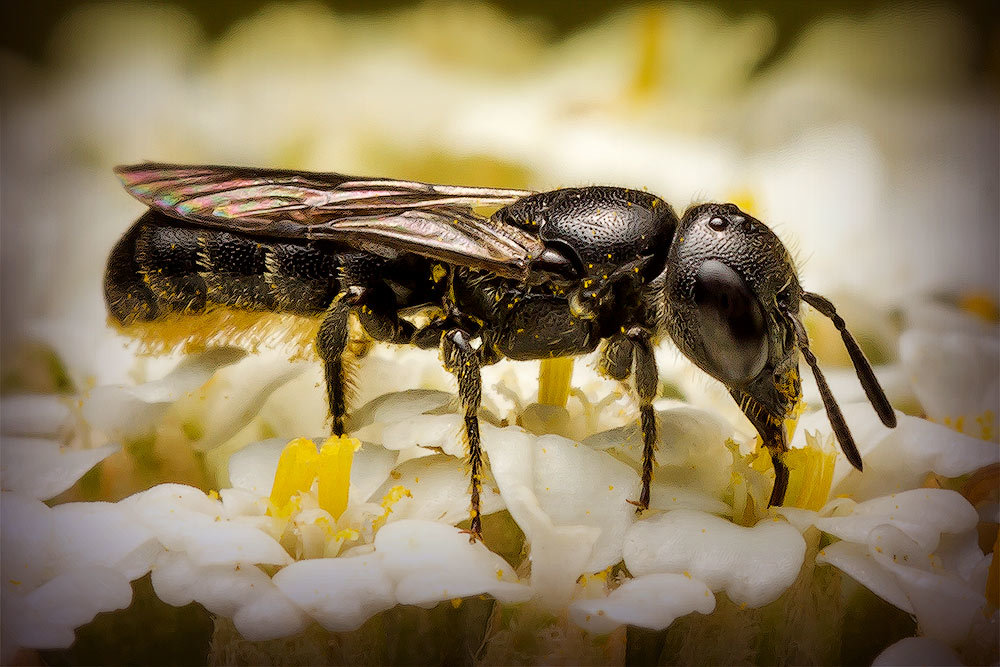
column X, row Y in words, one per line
column 461, row 359
column 647, row 379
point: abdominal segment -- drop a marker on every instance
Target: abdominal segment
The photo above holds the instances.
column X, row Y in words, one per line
column 172, row 285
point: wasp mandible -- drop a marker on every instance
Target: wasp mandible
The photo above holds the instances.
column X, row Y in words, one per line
column 548, row 274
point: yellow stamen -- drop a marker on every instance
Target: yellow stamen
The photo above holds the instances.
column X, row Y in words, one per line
column 335, row 459
column 554, row 376
column 394, row 495
column 810, row 473
column 295, row 474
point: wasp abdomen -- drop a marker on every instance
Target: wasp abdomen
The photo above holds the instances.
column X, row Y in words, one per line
column 161, row 267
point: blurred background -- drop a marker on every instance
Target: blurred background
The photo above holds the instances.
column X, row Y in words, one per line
column 865, row 133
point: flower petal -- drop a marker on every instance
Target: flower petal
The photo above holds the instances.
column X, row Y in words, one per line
column 432, row 562
column 340, row 593
column 898, row 459
column 46, row 617
column 35, row 415
column 564, row 497
column 27, row 535
column 439, row 491
column 855, row 561
column 753, row 565
column 954, row 374
column 922, row 514
column 243, row 593
column 944, row 604
column 186, row 520
column 912, row 651
column 269, row 615
column 692, row 452
column 653, row 601
column 128, row 412
column 42, row 468
column 124, row 545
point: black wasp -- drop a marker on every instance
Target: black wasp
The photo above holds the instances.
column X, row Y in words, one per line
column 549, row 274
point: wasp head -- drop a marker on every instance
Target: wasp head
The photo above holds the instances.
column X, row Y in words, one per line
column 730, row 288
column 730, row 302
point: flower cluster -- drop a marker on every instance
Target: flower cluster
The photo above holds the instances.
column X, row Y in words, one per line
column 191, row 472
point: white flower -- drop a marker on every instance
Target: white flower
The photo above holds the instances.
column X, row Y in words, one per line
column 917, row 651
column 653, row 601
column 956, row 377
column 58, row 574
column 916, row 549
column 656, row 98
column 898, row 459
column 570, row 501
column 753, row 565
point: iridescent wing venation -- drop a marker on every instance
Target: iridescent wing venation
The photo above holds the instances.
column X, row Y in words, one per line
column 255, row 196
column 385, row 215
column 449, row 236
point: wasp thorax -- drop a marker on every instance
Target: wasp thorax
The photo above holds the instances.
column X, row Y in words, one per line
column 725, row 273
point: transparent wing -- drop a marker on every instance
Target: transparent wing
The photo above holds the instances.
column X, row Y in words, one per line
column 383, row 215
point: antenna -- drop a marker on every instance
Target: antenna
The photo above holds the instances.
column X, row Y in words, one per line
column 876, row 395
column 836, row 417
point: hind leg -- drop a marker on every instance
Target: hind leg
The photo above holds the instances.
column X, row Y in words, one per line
column 376, row 312
column 331, row 343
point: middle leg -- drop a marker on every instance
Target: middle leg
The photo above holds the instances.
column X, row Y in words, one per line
column 461, row 359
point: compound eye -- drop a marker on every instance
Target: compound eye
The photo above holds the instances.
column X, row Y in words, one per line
column 730, row 323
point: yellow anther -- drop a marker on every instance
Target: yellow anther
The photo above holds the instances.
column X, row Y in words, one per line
column 295, row 474
column 335, row 459
column 810, row 473
column 554, row 376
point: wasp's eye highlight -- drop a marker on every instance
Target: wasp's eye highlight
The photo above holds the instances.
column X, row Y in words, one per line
column 730, row 322
column 718, row 224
